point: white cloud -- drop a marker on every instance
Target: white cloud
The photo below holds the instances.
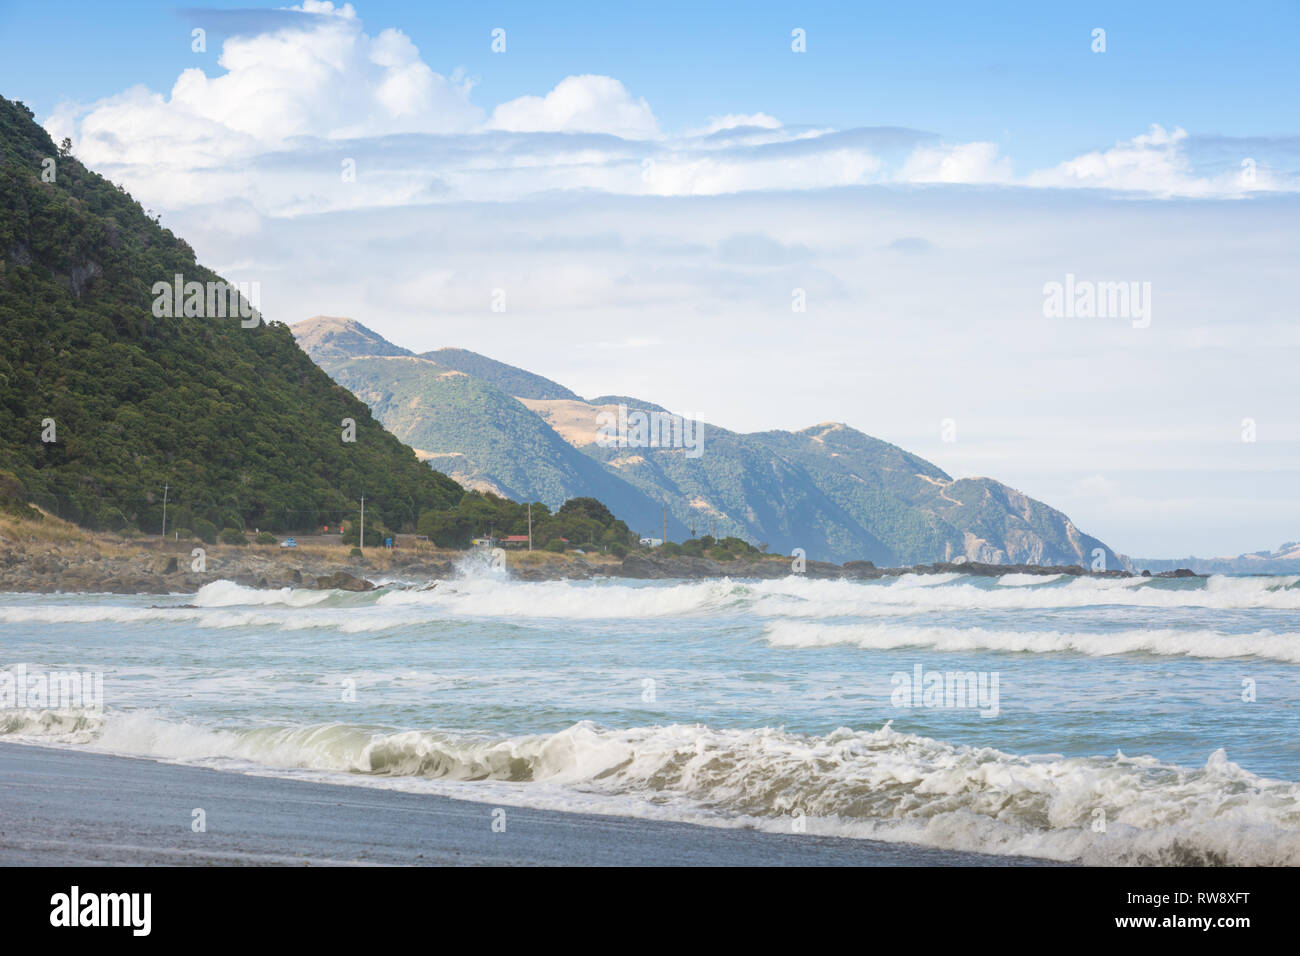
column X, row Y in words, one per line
column 346, row 11
column 579, row 104
column 687, row 174
column 325, row 79
column 296, row 103
column 1161, row 163
column 736, row 120
column 963, row 163
column 1152, row 162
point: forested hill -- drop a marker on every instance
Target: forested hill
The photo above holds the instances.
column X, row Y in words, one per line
column 240, row 424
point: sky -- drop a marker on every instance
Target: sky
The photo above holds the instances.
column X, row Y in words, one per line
column 769, row 215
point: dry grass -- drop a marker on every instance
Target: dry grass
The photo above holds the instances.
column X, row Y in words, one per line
column 550, row 559
column 55, row 534
column 49, row 530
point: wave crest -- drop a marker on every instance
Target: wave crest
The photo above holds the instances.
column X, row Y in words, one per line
column 881, row 784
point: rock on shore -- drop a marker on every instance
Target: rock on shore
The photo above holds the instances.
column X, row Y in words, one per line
column 95, row 563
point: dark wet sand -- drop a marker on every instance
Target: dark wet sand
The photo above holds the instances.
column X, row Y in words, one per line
column 66, row 808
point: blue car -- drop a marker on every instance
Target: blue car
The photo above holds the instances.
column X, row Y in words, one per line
column 288, row 543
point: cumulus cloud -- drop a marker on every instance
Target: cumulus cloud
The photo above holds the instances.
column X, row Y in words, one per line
column 306, row 93
column 323, row 77
column 579, row 104
column 963, row 163
column 1171, row 163
column 1152, row 162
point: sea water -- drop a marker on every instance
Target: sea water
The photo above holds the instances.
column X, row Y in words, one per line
column 1135, row 721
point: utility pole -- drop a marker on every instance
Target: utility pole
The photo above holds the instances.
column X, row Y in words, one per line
column 361, row 539
column 665, row 524
column 530, row 527
column 164, row 530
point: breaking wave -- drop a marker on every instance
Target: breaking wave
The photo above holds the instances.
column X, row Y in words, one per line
column 226, row 604
column 1173, row 643
column 880, row 784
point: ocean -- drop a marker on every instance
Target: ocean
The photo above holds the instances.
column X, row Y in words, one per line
column 1099, row 721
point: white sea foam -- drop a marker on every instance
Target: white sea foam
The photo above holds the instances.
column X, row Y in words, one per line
column 1166, row 642
column 224, row 604
column 878, row 784
column 230, row 594
column 1023, row 580
column 836, row 598
column 503, row 597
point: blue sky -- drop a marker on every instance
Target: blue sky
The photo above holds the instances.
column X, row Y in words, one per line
column 1022, row 74
column 650, row 184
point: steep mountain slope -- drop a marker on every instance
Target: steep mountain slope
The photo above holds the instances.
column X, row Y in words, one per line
column 834, row 491
column 830, row 490
column 922, row 513
column 734, row 487
column 327, row 338
column 510, row 380
column 467, row 427
column 238, row 422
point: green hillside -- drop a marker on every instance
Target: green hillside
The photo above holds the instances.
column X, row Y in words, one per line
column 507, row 378
column 737, row 487
column 240, row 424
column 921, row 513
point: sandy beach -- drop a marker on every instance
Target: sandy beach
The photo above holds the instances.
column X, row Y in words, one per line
column 67, row 808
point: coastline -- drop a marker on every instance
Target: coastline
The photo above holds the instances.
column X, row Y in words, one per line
column 64, row 807
column 52, row 556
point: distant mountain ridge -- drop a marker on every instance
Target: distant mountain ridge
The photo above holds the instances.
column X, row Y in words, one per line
column 1285, row 559
column 829, row 489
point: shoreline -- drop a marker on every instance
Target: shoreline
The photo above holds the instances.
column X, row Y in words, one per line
column 54, row 557
column 66, row 807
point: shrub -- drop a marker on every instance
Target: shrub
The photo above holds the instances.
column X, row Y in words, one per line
column 183, row 533
column 374, row 535
column 265, row 537
column 556, row 545
column 232, row 536
column 205, row 530
column 355, row 553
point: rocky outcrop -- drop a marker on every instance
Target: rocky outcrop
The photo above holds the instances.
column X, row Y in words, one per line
column 342, row 581
column 108, row 564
